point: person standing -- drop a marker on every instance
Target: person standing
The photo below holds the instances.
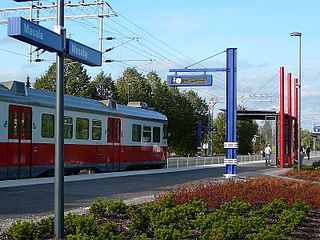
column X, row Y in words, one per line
column 308, row 152
column 268, row 152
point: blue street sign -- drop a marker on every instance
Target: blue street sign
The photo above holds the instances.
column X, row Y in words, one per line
column 32, row 33
column 84, row 54
column 189, row 80
column 21, row 0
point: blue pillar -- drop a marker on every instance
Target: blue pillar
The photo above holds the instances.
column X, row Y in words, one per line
column 199, row 137
column 231, row 112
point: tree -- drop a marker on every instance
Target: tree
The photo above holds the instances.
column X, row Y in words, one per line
column 246, row 131
column 48, row 80
column 220, row 136
column 104, row 87
column 132, row 86
column 306, row 138
column 76, row 80
column 181, row 108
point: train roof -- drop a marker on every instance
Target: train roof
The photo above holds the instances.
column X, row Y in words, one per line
column 16, row 92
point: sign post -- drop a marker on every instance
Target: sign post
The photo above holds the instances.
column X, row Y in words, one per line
column 54, row 41
column 59, row 146
column 231, row 144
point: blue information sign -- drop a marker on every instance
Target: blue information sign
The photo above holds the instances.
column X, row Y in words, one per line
column 189, row 80
column 84, row 54
column 32, row 33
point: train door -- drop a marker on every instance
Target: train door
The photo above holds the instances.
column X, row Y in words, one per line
column 114, row 133
column 19, row 141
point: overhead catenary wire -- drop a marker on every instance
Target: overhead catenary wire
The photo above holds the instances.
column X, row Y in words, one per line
column 217, row 54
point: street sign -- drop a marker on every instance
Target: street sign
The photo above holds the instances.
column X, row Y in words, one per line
column 21, row 0
column 189, row 80
column 34, row 34
column 84, row 54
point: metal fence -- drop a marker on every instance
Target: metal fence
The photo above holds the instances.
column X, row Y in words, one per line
column 202, row 161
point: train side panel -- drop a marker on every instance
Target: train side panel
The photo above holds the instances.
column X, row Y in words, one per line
column 95, row 135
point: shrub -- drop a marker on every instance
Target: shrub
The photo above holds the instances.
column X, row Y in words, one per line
column 98, row 208
column 116, row 206
column 81, row 225
column 101, row 208
column 46, row 227
column 257, row 192
column 23, row 230
column 307, row 167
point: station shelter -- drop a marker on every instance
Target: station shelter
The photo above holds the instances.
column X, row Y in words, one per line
column 290, row 145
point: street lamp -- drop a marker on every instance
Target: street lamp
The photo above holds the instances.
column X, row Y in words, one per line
column 129, row 92
column 298, row 34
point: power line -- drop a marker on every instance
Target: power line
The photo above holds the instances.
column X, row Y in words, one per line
column 13, row 52
column 217, row 54
column 172, row 48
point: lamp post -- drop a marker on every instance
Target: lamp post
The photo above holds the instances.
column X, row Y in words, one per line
column 129, row 92
column 298, row 34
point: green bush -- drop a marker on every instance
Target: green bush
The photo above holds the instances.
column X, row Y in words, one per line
column 23, row 230
column 81, row 225
column 116, row 206
column 307, row 167
column 109, row 231
column 167, row 220
column 46, row 227
column 101, row 208
column 98, row 208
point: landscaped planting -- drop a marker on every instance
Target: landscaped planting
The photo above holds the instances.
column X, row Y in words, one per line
column 258, row 192
column 307, row 172
column 255, row 209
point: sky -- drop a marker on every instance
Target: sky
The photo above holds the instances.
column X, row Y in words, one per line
column 159, row 35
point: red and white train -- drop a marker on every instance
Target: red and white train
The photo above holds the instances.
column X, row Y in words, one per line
column 100, row 135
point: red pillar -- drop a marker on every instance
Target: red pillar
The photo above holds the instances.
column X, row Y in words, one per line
column 289, row 122
column 282, row 123
column 296, row 116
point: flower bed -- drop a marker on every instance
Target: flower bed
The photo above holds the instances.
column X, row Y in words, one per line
column 309, row 175
column 262, row 208
column 256, row 191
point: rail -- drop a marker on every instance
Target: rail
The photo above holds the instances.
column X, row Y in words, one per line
column 203, row 161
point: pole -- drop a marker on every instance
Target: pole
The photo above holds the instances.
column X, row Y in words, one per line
column 296, row 93
column 30, row 18
column 231, row 112
column 300, row 111
column 101, row 24
column 59, row 151
column 282, row 123
column 289, row 122
column 199, row 137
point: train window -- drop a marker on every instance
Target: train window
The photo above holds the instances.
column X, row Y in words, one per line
column 47, row 125
column 68, row 127
column 96, row 129
column 23, row 123
column 146, row 134
column 15, row 123
column 82, row 128
column 10, row 123
column 156, row 134
column 136, row 133
column 165, row 131
column 29, row 124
